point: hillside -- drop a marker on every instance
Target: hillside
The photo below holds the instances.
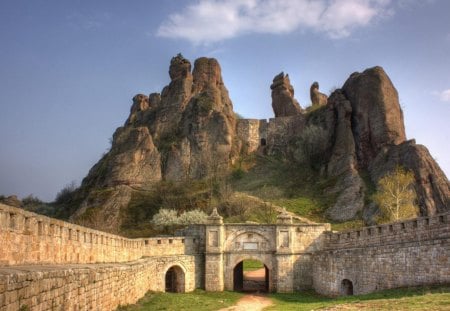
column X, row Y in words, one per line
column 185, row 148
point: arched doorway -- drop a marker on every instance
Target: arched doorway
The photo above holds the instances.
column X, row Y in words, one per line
column 174, row 280
column 251, row 276
column 347, row 287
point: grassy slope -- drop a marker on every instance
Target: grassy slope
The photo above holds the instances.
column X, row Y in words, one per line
column 297, row 188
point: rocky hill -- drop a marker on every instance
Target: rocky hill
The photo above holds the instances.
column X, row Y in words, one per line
column 185, row 148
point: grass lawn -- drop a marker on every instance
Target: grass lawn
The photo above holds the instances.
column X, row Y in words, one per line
column 420, row 298
column 199, row 300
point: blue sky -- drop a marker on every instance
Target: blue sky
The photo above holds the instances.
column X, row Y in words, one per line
column 69, row 68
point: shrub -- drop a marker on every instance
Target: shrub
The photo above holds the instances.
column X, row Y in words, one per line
column 193, row 217
column 312, row 146
column 66, row 194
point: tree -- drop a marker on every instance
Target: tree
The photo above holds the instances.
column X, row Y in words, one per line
column 396, row 196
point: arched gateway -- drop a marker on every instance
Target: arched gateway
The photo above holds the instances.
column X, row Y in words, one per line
column 282, row 248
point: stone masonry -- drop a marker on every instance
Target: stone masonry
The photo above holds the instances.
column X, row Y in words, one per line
column 48, row 264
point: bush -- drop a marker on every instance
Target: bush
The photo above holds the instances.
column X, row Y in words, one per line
column 65, row 195
column 193, row 217
column 165, row 218
column 312, row 146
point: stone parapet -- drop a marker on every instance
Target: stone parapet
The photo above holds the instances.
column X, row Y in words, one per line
column 418, row 229
column 29, row 238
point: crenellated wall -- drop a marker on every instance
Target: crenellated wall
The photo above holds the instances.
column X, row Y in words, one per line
column 29, row 238
column 48, row 264
column 408, row 253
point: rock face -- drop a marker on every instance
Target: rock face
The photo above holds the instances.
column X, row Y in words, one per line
column 432, row 186
column 186, row 132
column 377, row 116
column 343, row 164
column 283, row 102
column 370, row 136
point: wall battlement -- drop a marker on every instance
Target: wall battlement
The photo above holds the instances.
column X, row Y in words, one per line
column 418, row 229
column 29, row 238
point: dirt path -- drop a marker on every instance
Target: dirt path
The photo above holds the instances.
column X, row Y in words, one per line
column 250, row 302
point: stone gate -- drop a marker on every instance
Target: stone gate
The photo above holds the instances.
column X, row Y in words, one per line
column 284, row 248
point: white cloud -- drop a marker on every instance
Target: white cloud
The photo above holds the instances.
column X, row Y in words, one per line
column 445, row 95
column 207, row 21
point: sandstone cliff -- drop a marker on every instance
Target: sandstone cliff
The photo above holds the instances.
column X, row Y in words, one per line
column 189, row 132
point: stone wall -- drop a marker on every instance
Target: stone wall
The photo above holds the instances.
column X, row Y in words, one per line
column 409, row 253
column 48, row 264
column 29, row 238
column 271, row 136
column 89, row 286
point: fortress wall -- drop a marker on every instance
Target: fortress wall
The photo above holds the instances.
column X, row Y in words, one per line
column 250, row 132
column 29, row 238
column 309, row 238
column 409, row 253
column 276, row 133
column 88, row 287
column 281, row 130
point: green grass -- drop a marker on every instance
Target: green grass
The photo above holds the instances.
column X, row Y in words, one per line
column 251, row 265
column 419, row 298
column 416, row 298
column 198, row 300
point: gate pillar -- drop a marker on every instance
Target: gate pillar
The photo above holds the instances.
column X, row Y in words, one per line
column 214, row 253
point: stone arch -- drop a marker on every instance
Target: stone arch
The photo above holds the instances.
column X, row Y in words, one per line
column 234, row 259
column 174, row 278
column 346, row 287
column 238, row 278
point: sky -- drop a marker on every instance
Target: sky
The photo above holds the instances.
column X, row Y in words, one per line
column 70, row 68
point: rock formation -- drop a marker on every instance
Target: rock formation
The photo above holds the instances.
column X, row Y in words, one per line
column 186, row 132
column 370, row 136
column 283, row 102
column 343, row 164
column 377, row 116
column 189, row 131
column 317, row 98
column 432, row 186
